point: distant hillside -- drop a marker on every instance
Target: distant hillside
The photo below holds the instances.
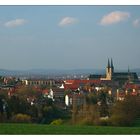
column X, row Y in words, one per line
column 4, row 72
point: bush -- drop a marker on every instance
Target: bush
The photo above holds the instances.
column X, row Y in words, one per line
column 57, row 122
column 121, row 120
column 21, row 118
column 85, row 121
column 2, row 118
column 104, row 122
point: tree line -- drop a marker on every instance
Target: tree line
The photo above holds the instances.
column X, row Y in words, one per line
column 28, row 105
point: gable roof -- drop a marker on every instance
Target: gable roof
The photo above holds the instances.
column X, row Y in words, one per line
column 125, row 75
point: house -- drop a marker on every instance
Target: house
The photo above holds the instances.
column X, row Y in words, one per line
column 71, row 99
column 45, row 92
column 133, row 88
column 120, row 95
column 75, row 84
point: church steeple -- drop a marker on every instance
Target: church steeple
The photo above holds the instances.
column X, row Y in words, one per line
column 109, row 70
column 108, row 65
column 112, row 67
column 112, row 64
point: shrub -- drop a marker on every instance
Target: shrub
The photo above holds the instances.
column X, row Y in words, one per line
column 121, row 120
column 57, row 122
column 104, row 122
column 85, row 121
column 1, row 118
column 21, row 118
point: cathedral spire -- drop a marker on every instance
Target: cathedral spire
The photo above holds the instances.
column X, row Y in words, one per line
column 112, row 64
column 112, row 67
column 108, row 65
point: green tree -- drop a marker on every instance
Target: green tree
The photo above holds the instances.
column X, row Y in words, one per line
column 50, row 113
column 103, row 106
column 124, row 113
column 87, row 113
column 68, row 91
column 18, row 105
column 28, row 92
column 1, row 106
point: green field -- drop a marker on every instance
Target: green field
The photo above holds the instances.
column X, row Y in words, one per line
column 64, row 129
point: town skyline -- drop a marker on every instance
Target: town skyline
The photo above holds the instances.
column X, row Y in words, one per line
column 69, row 37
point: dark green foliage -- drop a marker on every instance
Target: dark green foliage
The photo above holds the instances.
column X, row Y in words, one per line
column 18, row 105
column 50, row 113
column 1, row 106
column 44, row 101
column 68, row 91
column 33, row 111
column 91, row 98
column 103, row 108
column 126, row 112
column 3, row 110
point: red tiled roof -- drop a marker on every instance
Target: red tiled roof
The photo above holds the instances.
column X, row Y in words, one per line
column 75, row 95
column 132, row 86
column 121, row 94
column 134, row 93
column 45, row 91
column 74, row 84
column 72, row 87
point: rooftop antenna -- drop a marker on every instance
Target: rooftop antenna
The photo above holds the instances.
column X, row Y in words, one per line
column 129, row 76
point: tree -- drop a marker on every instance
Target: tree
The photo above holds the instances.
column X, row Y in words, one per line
column 50, row 113
column 124, row 113
column 88, row 112
column 92, row 98
column 103, row 107
column 27, row 92
column 1, row 106
column 68, row 91
column 18, row 105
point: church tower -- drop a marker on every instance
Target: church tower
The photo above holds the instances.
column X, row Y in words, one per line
column 112, row 67
column 109, row 70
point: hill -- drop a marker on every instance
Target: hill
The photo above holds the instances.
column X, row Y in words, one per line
column 56, row 72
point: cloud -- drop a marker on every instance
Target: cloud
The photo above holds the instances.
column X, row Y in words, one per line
column 68, row 21
column 15, row 23
column 114, row 17
column 136, row 23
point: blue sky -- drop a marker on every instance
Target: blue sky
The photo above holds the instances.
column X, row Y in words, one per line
column 69, row 37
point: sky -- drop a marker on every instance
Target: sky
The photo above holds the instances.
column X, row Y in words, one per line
column 69, row 37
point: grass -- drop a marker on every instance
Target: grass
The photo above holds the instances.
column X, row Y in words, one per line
column 32, row 129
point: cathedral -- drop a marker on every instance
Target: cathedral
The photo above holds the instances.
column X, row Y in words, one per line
column 109, row 71
column 116, row 76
